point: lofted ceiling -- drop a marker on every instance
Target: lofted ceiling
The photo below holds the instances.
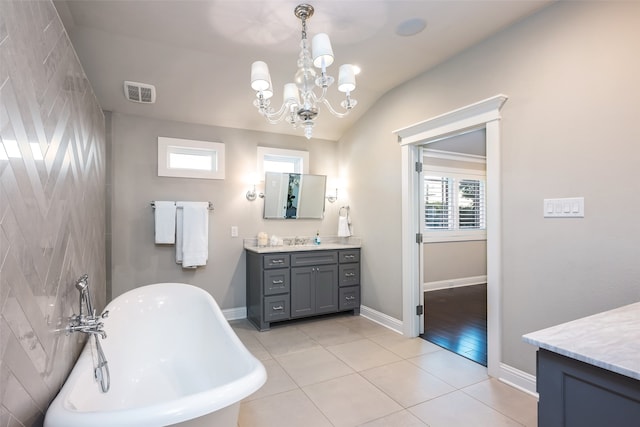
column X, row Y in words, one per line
column 198, row 54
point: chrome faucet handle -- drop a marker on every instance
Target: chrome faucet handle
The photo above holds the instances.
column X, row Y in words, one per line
column 82, row 282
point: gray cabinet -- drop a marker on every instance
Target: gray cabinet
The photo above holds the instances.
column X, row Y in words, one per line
column 290, row 285
column 577, row 394
column 349, row 280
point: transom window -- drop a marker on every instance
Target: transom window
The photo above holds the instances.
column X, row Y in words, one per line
column 282, row 160
column 187, row 158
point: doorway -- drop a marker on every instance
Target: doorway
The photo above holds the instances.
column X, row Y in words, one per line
column 484, row 114
column 454, row 244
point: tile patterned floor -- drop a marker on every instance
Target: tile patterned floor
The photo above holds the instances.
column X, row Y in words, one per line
column 345, row 371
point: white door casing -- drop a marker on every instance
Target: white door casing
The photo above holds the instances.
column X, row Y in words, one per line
column 483, row 114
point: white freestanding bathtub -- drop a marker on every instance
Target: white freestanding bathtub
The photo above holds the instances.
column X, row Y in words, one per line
column 173, row 359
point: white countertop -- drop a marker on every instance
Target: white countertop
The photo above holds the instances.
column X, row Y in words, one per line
column 609, row 340
column 330, row 244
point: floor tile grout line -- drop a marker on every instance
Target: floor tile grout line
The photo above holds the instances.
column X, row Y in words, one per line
column 490, row 406
column 360, row 373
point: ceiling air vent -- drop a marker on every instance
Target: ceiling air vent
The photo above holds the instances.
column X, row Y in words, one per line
column 140, row 92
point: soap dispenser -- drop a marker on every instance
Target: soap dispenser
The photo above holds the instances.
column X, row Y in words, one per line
column 316, row 240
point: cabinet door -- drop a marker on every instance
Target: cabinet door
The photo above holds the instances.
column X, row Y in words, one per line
column 302, row 291
column 326, row 288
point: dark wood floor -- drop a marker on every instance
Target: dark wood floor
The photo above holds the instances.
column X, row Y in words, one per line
column 456, row 319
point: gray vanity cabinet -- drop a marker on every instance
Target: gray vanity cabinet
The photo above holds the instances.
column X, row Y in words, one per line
column 291, row 285
column 576, row 394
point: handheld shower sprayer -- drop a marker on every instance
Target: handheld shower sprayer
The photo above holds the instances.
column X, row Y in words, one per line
column 82, row 285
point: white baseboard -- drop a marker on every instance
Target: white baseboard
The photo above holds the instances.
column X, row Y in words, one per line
column 381, row 318
column 235, row 313
column 518, row 379
column 454, row 283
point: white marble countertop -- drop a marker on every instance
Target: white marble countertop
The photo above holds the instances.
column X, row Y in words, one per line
column 609, row 340
column 328, row 243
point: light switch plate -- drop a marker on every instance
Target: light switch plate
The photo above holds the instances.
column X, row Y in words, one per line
column 568, row 207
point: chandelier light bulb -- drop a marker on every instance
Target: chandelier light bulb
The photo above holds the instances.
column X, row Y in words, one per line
column 322, row 51
column 346, row 78
column 260, row 79
column 291, row 94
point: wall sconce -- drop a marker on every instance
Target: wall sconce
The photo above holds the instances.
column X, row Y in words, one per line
column 252, row 194
column 332, row 197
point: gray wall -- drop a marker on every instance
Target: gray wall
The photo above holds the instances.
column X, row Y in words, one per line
column 569, row 128
column 52, row 211
column 454, row 260
column 137, row 261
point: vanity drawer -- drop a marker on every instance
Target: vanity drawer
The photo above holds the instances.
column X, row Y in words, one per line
column 277, row 281
column 276, row 260
column 304, row 259
column 349, row 298
column 276, row 308
column 349, row 256
column 349, row 274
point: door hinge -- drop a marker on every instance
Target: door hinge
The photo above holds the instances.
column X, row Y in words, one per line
column 419, row 167
column 419, row 310
column 419, row 238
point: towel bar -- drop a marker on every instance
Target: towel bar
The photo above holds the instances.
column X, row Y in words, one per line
column 153, row 205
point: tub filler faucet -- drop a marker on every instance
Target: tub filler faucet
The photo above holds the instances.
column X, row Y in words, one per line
column 89, row 323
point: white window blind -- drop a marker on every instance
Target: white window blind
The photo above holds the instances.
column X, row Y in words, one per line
column 454, row 203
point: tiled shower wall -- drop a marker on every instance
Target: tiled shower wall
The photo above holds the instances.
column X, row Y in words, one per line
column 52, row 206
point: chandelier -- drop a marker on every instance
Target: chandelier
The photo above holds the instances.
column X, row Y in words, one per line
column 309, row 88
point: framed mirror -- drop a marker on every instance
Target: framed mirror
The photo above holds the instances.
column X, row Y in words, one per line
column 294, row 196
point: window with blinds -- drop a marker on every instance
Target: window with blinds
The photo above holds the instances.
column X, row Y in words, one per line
column 454, row 203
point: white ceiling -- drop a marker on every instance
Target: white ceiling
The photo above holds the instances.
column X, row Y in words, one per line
column 198, row 54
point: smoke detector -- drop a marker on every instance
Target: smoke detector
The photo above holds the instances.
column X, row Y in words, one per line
column 140, row 92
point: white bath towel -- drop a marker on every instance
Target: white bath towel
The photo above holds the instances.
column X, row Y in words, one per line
column 343, row 226
column 165, row 219
column 195, row 234
column 179, row 215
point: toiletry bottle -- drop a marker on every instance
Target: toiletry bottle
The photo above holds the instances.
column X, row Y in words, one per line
column 317, row 239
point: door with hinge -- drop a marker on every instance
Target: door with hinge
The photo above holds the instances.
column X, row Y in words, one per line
column 420, row 239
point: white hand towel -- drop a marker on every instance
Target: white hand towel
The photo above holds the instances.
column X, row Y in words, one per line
column 343, row 226
column 195, row 234
column 165, row 218
column 179, row 215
